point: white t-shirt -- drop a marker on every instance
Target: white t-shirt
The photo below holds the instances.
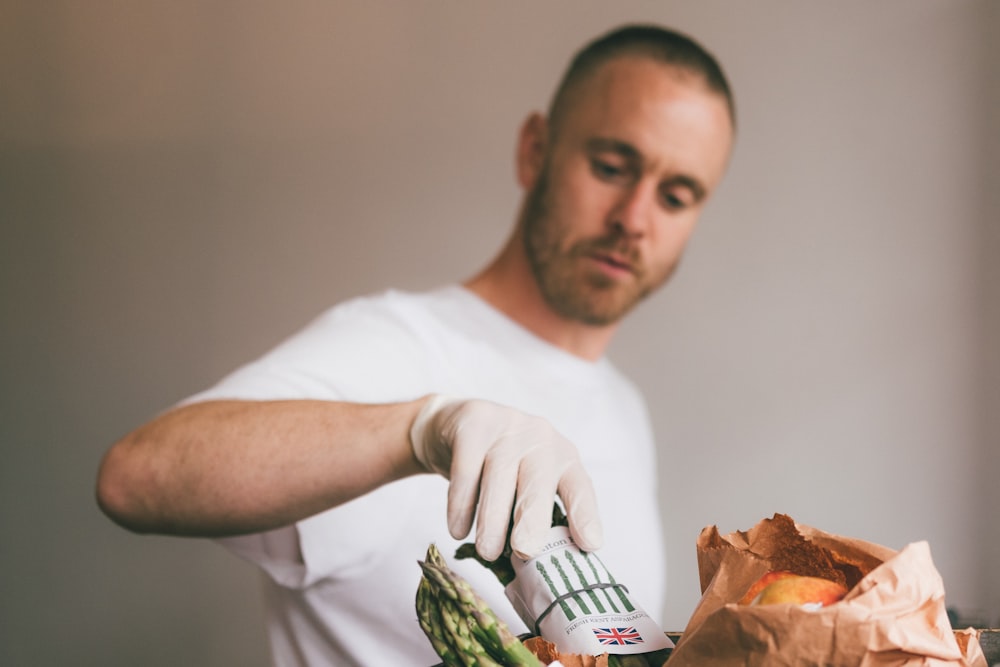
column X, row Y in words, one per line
column 341, row 585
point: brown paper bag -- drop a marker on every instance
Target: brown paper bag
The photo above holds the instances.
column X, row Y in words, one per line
column 894, row 613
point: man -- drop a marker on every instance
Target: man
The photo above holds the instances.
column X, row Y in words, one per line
column 308, row 461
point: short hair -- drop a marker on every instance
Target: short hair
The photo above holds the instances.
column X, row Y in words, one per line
column 657, row 43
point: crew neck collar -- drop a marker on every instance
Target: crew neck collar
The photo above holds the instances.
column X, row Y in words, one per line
column 524, row 335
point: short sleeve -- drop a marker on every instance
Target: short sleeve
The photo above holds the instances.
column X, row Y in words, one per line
column 356, row 351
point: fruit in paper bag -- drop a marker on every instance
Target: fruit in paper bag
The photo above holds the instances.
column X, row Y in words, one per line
column 813, row 592
column 763, row 582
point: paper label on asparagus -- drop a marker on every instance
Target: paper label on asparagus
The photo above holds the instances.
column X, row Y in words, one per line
column 569, row 598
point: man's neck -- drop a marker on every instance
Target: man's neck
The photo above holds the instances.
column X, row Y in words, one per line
column 508, row 285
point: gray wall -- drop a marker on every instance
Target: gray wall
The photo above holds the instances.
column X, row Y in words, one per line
column 182, row 184
column 989, row 487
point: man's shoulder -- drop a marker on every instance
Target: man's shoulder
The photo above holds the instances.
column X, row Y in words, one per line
column 392, row 301
column 445, row 310
column 382, row 321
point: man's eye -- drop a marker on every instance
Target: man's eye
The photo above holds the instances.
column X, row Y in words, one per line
column 673, row 201
column 606, row 170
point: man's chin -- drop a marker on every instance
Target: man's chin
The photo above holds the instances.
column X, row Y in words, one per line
column 598, row 310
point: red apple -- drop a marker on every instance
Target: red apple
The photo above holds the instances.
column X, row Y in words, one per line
column 759, row 585
column 813, row 592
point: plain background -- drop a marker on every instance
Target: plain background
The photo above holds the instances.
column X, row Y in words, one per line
column 183, row 184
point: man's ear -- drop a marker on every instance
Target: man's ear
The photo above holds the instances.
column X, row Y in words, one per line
column 532, row 145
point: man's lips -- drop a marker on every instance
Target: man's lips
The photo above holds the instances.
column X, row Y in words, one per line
column 614, row 261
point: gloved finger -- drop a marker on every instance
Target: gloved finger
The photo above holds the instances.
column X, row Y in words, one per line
column 580, row 500
column 536, row 493
column 463, row 489
column 497, row 489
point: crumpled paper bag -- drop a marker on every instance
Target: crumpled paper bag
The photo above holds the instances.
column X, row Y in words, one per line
column 893, row 615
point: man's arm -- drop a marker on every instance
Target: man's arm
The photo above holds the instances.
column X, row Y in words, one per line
column 230, row 467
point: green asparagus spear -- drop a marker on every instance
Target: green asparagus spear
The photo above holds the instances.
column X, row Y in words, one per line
column 461, row 627
column 429, row 616
column 447, row 630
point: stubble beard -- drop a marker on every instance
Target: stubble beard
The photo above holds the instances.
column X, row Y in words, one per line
column 590, row 298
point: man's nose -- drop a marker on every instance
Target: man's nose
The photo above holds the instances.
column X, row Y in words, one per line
column 632, row 213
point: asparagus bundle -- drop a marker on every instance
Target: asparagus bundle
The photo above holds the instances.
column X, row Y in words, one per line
column 503, row 569
column 462, row 628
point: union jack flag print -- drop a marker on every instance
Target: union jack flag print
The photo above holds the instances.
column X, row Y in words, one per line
column 617, row 636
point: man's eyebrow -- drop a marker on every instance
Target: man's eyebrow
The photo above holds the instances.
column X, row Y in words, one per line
column 627, row 150
column 603, row 144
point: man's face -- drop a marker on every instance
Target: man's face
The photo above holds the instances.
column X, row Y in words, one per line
column 621, row 184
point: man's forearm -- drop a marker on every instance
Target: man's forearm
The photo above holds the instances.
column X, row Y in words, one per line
column 230, row 467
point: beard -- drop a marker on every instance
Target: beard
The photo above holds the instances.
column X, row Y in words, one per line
column 575, row 293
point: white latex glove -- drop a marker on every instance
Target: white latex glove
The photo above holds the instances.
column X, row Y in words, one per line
column 504, row 460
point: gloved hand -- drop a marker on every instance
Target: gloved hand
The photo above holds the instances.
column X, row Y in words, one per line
column 504, row 460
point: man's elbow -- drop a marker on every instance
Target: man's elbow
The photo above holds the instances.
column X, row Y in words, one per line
column 119, row 492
